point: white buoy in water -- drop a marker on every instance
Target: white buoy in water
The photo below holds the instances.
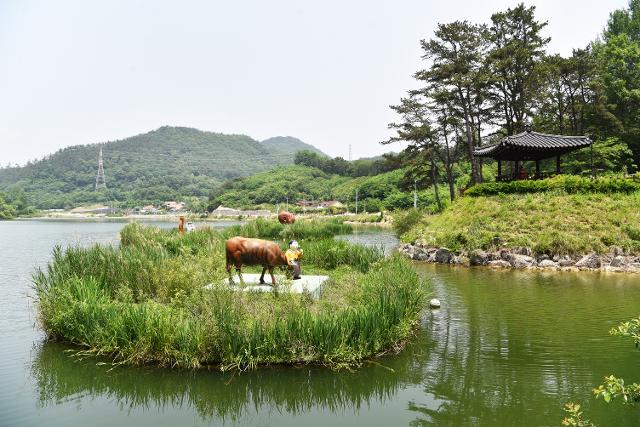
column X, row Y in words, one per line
column 434, row 303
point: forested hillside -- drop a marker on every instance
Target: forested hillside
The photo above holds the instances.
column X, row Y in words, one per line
column 388, row 190
column 164, row 164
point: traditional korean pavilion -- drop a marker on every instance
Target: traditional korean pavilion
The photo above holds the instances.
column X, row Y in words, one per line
column 530, row 146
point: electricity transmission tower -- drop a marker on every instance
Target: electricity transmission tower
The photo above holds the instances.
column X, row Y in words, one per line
column 100, row 181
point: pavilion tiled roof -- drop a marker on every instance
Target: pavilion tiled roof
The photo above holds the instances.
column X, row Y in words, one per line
column 532, row 146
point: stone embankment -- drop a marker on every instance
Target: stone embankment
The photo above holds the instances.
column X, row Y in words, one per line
column 614, row 261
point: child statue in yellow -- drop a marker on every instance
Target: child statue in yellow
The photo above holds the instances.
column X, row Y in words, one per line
column 293, row 255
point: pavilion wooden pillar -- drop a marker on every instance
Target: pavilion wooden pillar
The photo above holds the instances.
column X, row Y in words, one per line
column 558, row 165
column 499, row 169
column 516, row 173
column 538, row 169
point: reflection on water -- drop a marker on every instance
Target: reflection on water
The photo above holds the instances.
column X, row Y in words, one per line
column 510, row 347
column 506, row 348
column 63, row 379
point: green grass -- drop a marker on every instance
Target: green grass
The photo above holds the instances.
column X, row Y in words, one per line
column 328, row 254
column 550, row 222
column 300, row 230
column 144, row 303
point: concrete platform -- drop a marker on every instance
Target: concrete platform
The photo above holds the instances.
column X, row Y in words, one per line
column 307, row 283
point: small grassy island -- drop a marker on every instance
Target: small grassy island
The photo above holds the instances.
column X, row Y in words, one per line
column 145, row 301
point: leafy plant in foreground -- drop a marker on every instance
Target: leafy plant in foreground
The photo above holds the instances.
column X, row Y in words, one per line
column 574, row 416
column 614, row 387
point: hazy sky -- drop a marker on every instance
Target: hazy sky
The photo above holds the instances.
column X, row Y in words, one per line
column 80, row 72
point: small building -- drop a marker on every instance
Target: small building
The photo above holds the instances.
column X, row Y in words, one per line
column 174, row 206
column 149, row 209
column 530, row 146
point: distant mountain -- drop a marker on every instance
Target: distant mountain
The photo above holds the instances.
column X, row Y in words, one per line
column 164, row 164
column 288, row 144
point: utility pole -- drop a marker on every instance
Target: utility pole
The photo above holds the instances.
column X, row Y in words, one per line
column 287, row 204
column 356, row 201
column 415, row 194
column 100, row 181
column 593, row 171
column 349, row 152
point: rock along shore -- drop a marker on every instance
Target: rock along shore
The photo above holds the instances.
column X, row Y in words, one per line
column 524, row 258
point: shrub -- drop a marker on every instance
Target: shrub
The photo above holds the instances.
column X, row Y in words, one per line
column 567, row 183
column 404, row 221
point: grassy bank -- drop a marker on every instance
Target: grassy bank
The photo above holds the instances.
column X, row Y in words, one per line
column 548, row 222
column 144, row 302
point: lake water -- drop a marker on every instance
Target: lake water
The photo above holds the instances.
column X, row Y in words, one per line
column 506, row 348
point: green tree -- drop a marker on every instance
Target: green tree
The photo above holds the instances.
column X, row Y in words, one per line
column 619, row 57
column 609, row 155
column 624, row 21
column 448, row 128
column 310, row 158
column 416, row 129
column 457, row 75
column 514, row 64
column 571, row 99
column 6, row 210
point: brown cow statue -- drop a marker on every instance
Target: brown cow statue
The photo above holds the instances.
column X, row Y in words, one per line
column 286, row 217
column 246, row 251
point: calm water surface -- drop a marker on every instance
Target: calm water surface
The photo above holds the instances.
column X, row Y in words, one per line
column 506, row 348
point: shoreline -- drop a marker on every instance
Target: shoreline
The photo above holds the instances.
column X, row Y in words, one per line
column 175, row 217
column 523, row 258
column 369, row 224
column 167, row 218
